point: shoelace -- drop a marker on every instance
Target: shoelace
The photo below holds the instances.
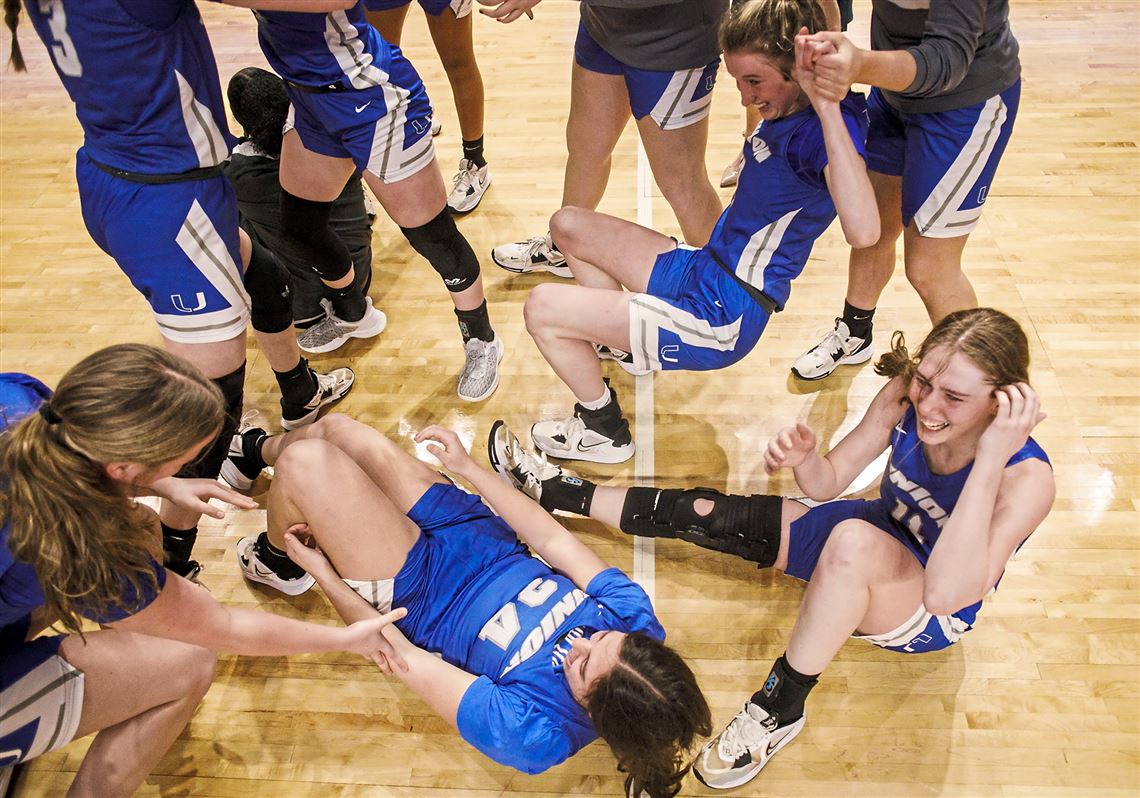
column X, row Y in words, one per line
column 465, row 178
column 538, row 462
column 742, row 734
column 322, row 332
column 540, row 246
column 479, row 354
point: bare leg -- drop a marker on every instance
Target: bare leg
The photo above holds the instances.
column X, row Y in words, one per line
column 454, row 42
column 865, row 581
column 934, row 268
column 139, row 693
column 390, row 22
column 606, row 252
column 677, row 158
column 869, row 270
column 599, row 110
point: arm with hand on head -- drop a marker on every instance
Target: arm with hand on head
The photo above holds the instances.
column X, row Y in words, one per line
column 998, row 509
column 537, row 528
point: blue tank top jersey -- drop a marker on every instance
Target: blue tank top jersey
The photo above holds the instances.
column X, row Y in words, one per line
column 339, row 48
column 522, row 713
column 782, row 204
column 920, row 501
column 143, row 79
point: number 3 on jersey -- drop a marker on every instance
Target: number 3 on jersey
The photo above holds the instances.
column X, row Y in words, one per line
column 62, row 48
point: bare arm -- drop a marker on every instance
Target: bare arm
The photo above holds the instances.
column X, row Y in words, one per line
column 536, row 527
column 998, row 508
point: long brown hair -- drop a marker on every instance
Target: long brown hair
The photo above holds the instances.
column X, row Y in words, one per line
column 12, row 19
column 650, row 711
column 993, row 342
column 769, row 27
column 87, row 540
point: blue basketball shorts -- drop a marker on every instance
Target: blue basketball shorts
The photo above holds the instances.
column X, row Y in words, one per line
column 920, row 633
column 461, row 8
column 41, row 695
column 674, row 99
column 385, row 129
column 460, row 539
column 178, row 245
column 946, row 159
column 693, row 316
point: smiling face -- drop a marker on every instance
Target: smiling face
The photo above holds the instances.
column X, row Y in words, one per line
column 590, row 659
column 764, row 86
column 952, row 397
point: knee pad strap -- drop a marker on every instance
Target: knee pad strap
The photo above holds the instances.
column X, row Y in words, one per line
column 446, row 250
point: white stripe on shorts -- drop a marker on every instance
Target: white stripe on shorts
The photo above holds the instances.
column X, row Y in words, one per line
column 209, row 143
column 52, row 692
column 200, row 240
column 345, row 45
column 378, row 593
column 676, row 108
column 648, row 315
column 757, row 254
column 939, row 216
column 952, row 627
column 389, row 160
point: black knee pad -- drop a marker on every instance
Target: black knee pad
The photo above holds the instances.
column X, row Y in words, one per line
column 446, row 250
column 746, row 526
column 270, row 292
column 209, row 465
column 306, row 223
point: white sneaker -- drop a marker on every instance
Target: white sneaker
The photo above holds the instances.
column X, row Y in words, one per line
column 469, row 185
column 253, row 569
column 739, row 752
column 333, row 332
column 480, row 375
column 571, row 439
column 530, row 256
column 623, row 359
column 518, row 467
column 731, row 174
column 436, row 127
column 331, row 387
column 838, row 348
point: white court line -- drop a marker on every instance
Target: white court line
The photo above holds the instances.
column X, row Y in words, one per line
column 643, row 463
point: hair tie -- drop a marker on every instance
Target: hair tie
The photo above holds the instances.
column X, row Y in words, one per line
column 49, row 415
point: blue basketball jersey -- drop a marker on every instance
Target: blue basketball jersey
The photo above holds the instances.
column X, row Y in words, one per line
column 782, row 204
column 143, row 79
column 339, row 48
column 920, row 501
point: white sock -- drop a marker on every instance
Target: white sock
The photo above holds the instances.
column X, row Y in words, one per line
column 598, row 403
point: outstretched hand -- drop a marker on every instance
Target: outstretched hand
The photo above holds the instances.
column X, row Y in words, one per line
column 789, row 448
column 194, row 495
column 1018, row 412
column 808, row 51
column 445, row 445
column 367, row 639
column 507, row 10
column 832, row 62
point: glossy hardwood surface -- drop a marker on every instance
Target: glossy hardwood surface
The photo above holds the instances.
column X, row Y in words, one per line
column 1039, row 700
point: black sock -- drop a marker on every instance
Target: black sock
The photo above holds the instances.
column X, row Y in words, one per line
column 475, row 323
column 348, row 303
column 298, row 384
column 567, row 493
column 784, row 691
column 177, row 545
column 473, row 151
column 858, row 321
column 276, row 560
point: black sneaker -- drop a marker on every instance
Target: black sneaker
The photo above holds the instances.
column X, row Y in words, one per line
column 243, row 464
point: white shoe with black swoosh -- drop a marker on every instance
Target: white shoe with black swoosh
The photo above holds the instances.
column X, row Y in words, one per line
column 253, row 569
column 738, row 753
column 571, row 439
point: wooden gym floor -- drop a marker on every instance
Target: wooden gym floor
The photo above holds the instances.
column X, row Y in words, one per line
column 1039, row 700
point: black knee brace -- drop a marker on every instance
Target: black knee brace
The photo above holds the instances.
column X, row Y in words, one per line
column 446, row 250
column 747, row 526
column 270, row 294
column 306, row 223
column 210, row 464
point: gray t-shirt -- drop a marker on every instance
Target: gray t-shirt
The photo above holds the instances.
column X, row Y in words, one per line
column 662, row 35
column 964, row 50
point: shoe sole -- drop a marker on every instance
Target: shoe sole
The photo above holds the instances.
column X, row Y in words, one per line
column 498, row 359
column 367, row 332
column 463, row 211
column 303, row 584
column 311, row 416
column 851, row 360
column 752, row 773
column 495, row 456
column 608, row 456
